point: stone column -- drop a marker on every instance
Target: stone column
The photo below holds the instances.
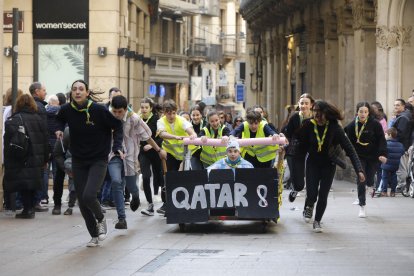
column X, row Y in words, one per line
column 345, row 62
column 316, row 58
column 363, row 13
column 331, row 59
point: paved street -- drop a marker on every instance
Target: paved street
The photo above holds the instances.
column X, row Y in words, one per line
column 382, row 244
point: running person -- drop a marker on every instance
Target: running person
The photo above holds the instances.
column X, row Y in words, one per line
column 316, row 137
column 367, row 137
column 172, row 129
column 148, row 156
column 213, row 129
column 92, row 127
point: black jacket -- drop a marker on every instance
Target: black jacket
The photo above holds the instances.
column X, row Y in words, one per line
column 403, row 124
column 26, row 174
column 91, row 141
column 373, row 134
column 335, row 136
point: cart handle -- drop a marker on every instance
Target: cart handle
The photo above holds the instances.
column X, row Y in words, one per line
column 242, row 142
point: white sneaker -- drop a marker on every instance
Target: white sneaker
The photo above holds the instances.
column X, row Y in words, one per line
column 94, row 242
column 356, row 202
column 362, row 213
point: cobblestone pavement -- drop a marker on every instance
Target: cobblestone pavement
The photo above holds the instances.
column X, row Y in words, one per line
column 381, row 244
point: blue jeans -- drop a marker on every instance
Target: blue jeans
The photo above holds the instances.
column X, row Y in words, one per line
column 116, row 171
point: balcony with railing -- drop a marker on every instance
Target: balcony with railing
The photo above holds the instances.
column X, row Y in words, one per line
column 168, row 68
column 197, row 49
column 229, row 47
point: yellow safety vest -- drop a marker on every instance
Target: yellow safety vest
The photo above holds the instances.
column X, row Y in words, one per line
column 262, row 153
column 172, row 146
column 211, row 154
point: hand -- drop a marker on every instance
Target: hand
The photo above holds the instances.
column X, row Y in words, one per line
column 361, row 177
column 193, row 136
column 383, row 159
column 275, row 137
column 59, row 134
column 225, row 140
column 162, row 154
column 147, row 147
column 178, row 138
column 121, row 154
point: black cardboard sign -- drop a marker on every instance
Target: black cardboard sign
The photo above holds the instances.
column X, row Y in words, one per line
column 192, row 195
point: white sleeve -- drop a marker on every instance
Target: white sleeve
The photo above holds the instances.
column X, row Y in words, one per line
column 160, row 125
column 187, row 125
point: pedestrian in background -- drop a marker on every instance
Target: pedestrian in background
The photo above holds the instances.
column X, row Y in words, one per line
column 25, row 175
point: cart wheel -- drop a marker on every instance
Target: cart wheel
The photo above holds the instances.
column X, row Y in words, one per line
column 264, row 226
column 182, row 227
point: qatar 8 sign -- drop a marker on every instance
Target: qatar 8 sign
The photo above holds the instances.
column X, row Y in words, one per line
column 194, row 196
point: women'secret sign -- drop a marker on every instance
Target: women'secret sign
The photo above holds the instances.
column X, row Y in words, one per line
column 193, row 195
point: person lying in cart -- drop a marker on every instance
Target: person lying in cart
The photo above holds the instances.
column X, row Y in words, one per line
column 233, row 159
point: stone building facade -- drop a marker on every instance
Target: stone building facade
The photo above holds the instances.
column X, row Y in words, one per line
column 344, row 51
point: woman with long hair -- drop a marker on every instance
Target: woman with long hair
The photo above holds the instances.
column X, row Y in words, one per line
column 25, row 175
column 367, row 137
column 198, row 123
column 148, row 157
column 92, row 131
column 297, row 169
column 316, row 138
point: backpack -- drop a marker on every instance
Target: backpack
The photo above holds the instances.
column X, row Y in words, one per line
column 18, row 146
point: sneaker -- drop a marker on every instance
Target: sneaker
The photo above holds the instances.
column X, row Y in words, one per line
column 356, row 202
column 121, row 224
column 68, row 212
column 317, row 228
column 127, row 201
column 44, row 201
column 292, row 195
column 56, row 210
column 392, row 194
column 40, row 208
column 26, row 214
column 308, row 213
column 362, row 213
column 94, row 242
column 134, row 204
column 161, row 210
column 102, row 229
column 149, row 211
column 105, row 206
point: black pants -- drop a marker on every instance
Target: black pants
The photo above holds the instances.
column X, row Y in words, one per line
column 319, row 178
column 370, row 169
column 297, row 171
column 172, row 165
column 256, row 163
column 28, row 201
column 146, row 160
column 58, row 180
column 88, row 176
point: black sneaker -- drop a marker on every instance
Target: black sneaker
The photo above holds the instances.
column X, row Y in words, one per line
column 56, row 210
column 161, row 210
column 317, row 228
column 121, row 224
column 26, row 214
column 134, row 204
column 68, row 212
column 307, row 214
column 292, row 195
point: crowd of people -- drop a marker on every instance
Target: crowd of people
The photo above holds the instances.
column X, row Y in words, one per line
column 105, row 148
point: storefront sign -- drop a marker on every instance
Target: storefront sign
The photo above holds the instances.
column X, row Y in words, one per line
column 60, row 19
column 8, row 22
column 252, row 193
